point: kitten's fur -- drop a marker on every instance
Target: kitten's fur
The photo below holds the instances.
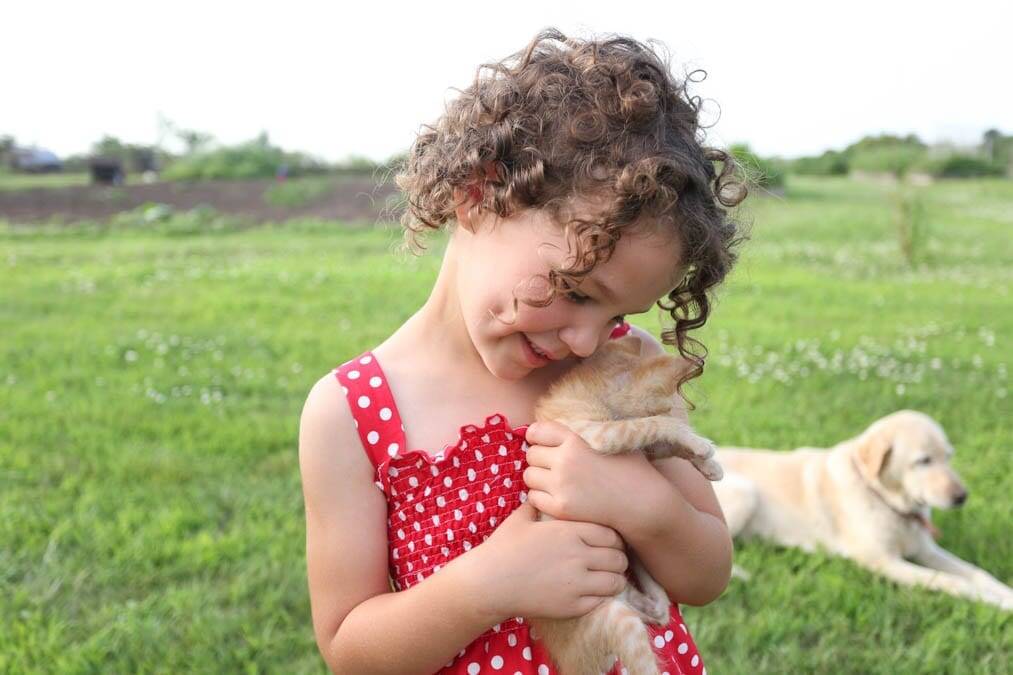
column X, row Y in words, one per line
column 618, row 401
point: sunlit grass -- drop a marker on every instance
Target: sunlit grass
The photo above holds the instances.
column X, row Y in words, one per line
column 151, row 383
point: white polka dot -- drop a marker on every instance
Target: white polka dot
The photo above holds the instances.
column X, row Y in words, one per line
column 375, row 382
column 419, row 508
column 385, row 414
column 432, row 468
column 694, row 661
column 543, row 669
column 429, row 539
column 436, row 520
column 353, row 374
column 463, row 494
column 400, row 534
column 503, row 450
column 448, row 481
column 413, row 481
column 512, row 640
column 471, row 474
column 494, row 468
column 363, row 401
column 365, row 360
column 372, row 437
column 440, row 501
column 478, row 454
column 501, row 501
column 472, row 528
column 495, row 419
column 669, row 635
column 507, row 482
column 659, row 641
column 526, row 652
column 392, row 471
column 467, row 546
column 682, row 648
column 392, row 449
column 450, row 534
column 480, row 507
column 496, row 662
column 457, row 514
column 485, row 488
column 523, row 497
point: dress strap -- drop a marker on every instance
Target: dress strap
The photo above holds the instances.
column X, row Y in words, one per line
column 620, row 330
column 372, row 404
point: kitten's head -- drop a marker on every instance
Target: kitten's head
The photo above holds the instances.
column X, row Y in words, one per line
column 638, row 386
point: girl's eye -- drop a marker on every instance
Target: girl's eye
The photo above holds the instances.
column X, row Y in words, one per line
column 574, row 296
column 577, row 298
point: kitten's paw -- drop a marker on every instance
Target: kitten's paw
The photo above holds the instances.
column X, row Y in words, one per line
column 710, row 469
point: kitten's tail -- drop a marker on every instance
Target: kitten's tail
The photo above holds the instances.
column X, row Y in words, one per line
column 592, row 642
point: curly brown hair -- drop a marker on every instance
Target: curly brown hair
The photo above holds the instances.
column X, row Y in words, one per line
column 601, row 119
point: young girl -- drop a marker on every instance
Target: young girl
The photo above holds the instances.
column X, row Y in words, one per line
column 579, row 193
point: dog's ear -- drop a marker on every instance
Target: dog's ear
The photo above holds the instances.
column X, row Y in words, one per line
column 872, row 453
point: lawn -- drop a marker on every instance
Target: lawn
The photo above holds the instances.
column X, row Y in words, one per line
column 152, row 378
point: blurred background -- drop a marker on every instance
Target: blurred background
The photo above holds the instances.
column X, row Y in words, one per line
column 197, row 217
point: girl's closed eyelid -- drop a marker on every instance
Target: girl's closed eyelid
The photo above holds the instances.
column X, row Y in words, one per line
column 572, row 296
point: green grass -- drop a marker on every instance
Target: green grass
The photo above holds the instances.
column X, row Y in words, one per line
column 24, row 181
column 151, row 383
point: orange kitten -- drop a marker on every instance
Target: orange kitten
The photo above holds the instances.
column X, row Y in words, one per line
column 618, row 401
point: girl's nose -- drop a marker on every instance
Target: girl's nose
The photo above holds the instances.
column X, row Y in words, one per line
column 582, row 340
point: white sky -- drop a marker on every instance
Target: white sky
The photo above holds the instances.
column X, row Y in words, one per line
column 360, row 77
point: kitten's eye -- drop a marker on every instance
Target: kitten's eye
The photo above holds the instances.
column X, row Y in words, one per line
column 922, row 461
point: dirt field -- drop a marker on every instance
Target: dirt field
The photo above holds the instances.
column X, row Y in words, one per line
column 350, row 198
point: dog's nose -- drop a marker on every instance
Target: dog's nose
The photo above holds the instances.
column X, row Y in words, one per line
column 960, row 498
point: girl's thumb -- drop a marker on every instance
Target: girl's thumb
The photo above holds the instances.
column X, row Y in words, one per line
column 526, row 511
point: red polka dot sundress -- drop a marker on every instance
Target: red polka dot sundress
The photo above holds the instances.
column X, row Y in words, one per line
column 443, row 504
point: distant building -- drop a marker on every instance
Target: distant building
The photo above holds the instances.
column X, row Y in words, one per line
column 35, row 160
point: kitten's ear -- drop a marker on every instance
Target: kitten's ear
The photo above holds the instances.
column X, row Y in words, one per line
column 629, row 344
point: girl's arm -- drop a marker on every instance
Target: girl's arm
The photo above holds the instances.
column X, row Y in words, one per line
column 360, row 625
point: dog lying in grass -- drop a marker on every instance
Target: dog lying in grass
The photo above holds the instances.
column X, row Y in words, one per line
column 867, row 498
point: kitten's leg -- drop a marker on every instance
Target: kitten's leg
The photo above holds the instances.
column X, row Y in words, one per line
column 653, row 594
column 669, row 436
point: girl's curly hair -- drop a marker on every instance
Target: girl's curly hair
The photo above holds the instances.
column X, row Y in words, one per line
column 601, row 119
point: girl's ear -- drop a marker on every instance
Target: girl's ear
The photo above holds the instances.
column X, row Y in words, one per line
column 467, row 207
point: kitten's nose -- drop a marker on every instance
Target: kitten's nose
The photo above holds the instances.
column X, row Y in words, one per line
column 960, row 498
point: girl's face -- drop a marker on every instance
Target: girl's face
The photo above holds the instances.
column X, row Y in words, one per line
column 496, row 260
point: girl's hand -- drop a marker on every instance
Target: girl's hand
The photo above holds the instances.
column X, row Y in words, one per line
column 568, row 480
column 547, row 569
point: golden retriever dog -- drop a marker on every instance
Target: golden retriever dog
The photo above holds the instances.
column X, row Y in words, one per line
column 867, row 498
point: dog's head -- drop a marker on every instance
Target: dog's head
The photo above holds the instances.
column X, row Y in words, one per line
column 907, row 455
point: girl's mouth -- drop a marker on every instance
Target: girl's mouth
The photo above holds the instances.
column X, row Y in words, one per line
column 534, row 356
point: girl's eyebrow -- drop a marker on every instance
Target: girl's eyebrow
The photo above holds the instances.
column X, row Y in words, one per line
column 611, row 296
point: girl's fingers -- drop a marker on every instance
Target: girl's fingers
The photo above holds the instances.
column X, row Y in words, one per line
column 594, row 534
column 608, row 560
column 546, row 433
column 604, row 583
column 536, row 478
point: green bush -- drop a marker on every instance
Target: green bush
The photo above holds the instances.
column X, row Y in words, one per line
column 830, row 163
column 758, row 171
column 252, row 159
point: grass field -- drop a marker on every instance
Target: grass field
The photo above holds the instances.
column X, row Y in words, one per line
column 151, row 383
